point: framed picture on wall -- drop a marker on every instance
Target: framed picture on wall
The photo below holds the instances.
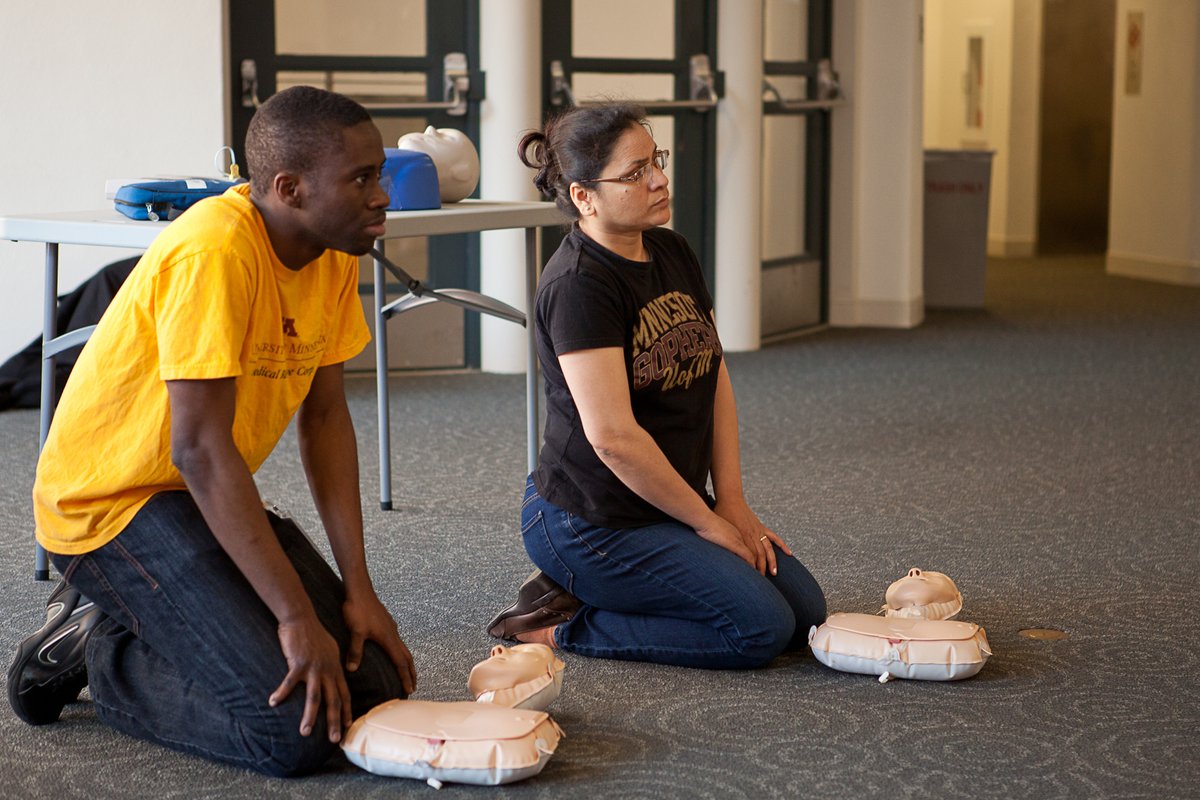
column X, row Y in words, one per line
column 977, row 88
column 1134, row 25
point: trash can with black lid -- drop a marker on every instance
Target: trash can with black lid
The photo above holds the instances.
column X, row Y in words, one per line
column 957, row 183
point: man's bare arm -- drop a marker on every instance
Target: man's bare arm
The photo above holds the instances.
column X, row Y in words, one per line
column 203, row 450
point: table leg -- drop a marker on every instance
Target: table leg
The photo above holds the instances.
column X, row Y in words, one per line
column 381, row 383
column 532, row 434
column 41, row 564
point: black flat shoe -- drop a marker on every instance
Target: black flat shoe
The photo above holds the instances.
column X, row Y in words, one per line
column 540, row 603
column 49, row 670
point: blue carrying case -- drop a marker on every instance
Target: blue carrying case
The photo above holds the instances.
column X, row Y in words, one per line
column 165, row 199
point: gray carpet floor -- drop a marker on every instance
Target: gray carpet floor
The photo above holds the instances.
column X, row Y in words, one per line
column 1044, row 452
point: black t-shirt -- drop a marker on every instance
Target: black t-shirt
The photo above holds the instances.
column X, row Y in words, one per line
column 660, row 313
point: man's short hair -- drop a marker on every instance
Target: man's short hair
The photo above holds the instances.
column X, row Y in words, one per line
column 293, row 130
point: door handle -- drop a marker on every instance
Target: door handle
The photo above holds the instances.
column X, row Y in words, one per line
column 456, row 86
column 249, row 71
column 703, row 94
column 829, row 92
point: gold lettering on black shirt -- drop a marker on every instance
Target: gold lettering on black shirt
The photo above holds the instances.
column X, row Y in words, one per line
column 673, row 343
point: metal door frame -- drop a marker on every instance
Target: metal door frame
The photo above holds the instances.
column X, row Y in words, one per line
column 695, row 212
column 817, row 143
column 450, row 26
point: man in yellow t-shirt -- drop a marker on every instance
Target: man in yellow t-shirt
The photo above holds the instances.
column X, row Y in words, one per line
column 191, row 611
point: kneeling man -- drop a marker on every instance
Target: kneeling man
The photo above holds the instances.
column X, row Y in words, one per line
column 199, row 619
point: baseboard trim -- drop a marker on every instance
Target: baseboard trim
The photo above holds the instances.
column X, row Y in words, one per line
column 1161, row 270
column 877, row 313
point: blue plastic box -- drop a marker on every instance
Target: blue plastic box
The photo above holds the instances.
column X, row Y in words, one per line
column 410, row 179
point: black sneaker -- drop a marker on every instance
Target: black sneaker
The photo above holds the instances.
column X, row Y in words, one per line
column 49, row 670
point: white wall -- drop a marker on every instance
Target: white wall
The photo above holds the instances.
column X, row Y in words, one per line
column 737, row 293
column 510, row 50
column 1154, row 205
column 85, row 100
column 877, row 166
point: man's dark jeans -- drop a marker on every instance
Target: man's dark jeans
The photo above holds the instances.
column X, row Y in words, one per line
column 189, row 653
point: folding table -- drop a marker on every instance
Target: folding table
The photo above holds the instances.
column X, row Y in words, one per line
column 108, row 228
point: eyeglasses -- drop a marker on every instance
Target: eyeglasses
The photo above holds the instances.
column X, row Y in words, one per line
column 659, row 159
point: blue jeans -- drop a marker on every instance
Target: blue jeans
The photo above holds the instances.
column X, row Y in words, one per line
column 189, row 653
column 661, row 593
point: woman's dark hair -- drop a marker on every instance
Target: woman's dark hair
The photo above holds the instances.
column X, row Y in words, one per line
column 575, row 146
column 294, row 129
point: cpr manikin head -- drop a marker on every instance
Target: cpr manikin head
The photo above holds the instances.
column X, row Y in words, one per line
column 453, row 154
column 521, row 676
column 923, row 594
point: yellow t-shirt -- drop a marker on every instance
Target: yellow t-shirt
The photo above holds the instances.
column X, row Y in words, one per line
column 209, row 299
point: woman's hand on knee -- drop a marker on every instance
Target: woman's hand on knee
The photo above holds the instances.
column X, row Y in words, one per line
column 721, row 533
column 760, row 539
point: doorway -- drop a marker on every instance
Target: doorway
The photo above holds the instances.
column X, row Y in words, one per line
column 1076, row 130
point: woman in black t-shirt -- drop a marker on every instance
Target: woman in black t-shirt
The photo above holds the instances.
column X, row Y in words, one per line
column 636, row 559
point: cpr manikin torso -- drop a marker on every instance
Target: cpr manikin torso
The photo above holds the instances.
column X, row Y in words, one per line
column 504, row 736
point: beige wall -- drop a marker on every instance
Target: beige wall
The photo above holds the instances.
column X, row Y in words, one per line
column 83, row 102
column 1154, row 219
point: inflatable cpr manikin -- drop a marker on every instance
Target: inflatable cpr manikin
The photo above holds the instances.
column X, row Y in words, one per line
column 923, row 595
column 504, row 736
column 521, row 676
column 454, row 156
column 463, row 742
column 916, row 638
column 894, row 647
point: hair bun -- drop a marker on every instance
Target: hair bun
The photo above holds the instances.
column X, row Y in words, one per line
column 534, row 152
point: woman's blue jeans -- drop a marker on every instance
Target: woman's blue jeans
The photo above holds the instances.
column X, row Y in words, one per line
column 189, row 653
column 661, row 593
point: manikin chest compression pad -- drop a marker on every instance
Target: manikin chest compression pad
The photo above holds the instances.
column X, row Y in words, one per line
column 464, row 741
column 923, row 594
column 922, row 649
column 521, row 676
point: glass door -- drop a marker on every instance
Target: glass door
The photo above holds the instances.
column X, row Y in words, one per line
column 412, row 63
column 799, row 88
column 661, row 54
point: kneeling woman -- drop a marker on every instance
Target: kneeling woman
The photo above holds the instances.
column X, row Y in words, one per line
column 636, row 560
